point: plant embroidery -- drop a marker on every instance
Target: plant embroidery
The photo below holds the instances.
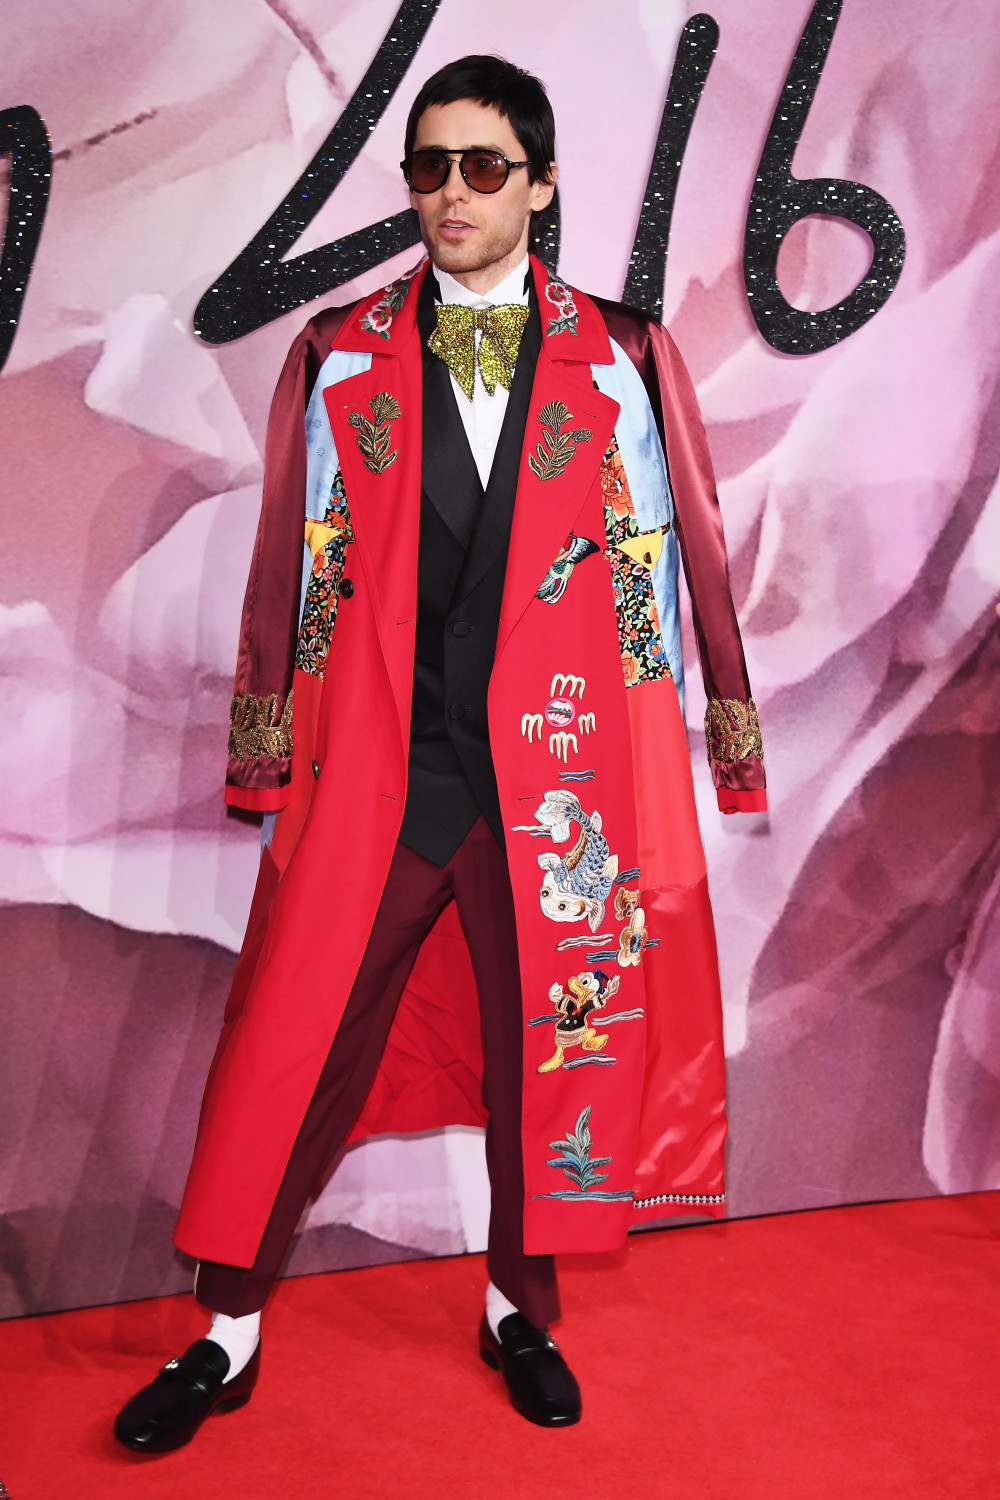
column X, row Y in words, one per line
column 561, row 297
column 557, row 447
column 576, row 1162
column 378, row 318
column 373, row 437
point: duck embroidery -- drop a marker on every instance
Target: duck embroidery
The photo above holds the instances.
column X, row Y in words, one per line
column 588, row 992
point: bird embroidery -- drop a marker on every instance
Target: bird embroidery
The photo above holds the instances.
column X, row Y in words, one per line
column 574, row 549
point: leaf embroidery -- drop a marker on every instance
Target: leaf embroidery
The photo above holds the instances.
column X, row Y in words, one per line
column 374, row 436
column 556, row 449
column 575, row 1159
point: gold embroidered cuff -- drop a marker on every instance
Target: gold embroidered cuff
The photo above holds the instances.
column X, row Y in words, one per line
column 252, row 730
column 732, row 731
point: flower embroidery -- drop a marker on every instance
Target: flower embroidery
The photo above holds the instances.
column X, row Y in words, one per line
column 378, row 318
column 561, row 297
column 634, row 938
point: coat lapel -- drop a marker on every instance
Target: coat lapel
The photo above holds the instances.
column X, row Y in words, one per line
column 573, row 337
column 383, row 491
column 385, row 506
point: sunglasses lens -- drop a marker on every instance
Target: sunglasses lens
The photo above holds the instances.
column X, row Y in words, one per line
column 428, row 170
column 485, row 171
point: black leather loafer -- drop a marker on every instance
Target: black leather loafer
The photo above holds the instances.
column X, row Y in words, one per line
column 166, row 1414
column 541, row 1385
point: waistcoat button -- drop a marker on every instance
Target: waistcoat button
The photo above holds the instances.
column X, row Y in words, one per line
column 457, row 711
column 461, row 627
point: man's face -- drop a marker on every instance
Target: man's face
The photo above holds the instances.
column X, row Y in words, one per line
column 465, row 231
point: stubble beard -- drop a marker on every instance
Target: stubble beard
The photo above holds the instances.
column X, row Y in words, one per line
column 499, row 243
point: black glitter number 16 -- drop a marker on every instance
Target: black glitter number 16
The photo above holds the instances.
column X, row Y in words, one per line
column 779, row 200
column 25, row 140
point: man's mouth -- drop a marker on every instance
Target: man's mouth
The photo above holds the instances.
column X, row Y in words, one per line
column 454, row 228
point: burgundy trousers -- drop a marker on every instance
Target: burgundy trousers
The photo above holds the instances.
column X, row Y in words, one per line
column 415, row 894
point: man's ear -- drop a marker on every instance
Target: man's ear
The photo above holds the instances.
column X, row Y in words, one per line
column 541, row 192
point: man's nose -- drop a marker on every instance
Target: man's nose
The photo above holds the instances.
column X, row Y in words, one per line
column 456, row 189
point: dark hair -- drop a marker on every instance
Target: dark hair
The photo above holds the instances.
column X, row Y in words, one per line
column 517, row 95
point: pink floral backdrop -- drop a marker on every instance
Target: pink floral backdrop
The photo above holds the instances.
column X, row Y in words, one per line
column 859, row 938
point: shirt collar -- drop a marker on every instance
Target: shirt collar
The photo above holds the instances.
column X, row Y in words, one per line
column 511, row 289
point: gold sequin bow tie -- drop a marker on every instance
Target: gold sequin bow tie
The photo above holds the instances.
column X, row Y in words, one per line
column 454, row 341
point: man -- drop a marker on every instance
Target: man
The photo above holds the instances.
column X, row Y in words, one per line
column 490, row 799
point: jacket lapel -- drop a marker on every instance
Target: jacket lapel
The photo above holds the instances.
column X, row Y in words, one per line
column 546, row 507
column 383, row 491
column 385, row 506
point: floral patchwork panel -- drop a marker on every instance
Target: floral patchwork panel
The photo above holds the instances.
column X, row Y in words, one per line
column 328, row 541
column 643, row 656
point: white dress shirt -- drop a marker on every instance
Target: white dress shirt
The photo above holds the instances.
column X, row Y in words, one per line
column 483, row 416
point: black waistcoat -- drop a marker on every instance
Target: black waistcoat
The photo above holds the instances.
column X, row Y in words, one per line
column 461, row 563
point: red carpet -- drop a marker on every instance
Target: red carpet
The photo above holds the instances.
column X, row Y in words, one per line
column 850, row 1352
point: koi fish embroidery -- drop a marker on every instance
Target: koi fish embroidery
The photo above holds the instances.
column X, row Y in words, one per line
column 576, row 885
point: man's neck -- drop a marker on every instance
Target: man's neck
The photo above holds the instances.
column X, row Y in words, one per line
column 486, row 278
column 513, row 288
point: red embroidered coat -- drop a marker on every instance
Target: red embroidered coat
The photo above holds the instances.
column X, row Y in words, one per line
column 615, row 931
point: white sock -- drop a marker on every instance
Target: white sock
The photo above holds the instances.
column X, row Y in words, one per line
column 238, row 1336
column 497, row 1307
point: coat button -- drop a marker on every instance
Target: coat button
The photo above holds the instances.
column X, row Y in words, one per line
column 461, row 627
column 457, row 711
column 316, row 769
column 346, row 589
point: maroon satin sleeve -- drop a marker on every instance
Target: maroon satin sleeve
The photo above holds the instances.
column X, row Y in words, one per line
column 261, row 715
column 736, row 758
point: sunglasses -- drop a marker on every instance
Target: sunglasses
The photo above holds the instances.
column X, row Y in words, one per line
column 483, row 171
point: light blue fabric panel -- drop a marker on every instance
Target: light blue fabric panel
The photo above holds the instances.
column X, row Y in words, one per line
column 642, row 455
column 321, row 470
column 321, row 451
